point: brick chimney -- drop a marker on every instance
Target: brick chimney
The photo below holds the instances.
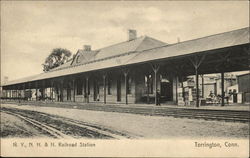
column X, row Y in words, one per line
column 131, row 34
column 87, row 47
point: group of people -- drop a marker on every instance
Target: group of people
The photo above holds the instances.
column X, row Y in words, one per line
column 217, row 98
column 214, row 98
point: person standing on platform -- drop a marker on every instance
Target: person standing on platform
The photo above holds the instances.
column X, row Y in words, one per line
column 158, row 97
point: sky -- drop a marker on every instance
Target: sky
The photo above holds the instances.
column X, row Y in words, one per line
column 30, row 30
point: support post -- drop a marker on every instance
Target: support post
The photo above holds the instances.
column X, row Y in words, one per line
column 43, row 90
column 11, row 97
column 126, row 88
column 19, row 93
column 222, row 89
column 24, row 91
column 83, row 89
column 104, row 88
column 74, row 98
column 5, row 93
column 196, row 63
column 125, row 73
column 148, row 89
column 12, row 92
column 155, row 69
column 57, row 90
column 197, row 86
column 30, row 92
column 202, row 85
column 51, row 92
column 87, row 89
column 155, row 87
column 182, row 87
column 176, row 89
column 61, row 89
column 36, row 91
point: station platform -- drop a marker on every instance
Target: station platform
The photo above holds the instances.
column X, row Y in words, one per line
column 229, row 107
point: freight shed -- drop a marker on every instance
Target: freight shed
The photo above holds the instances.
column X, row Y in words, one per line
column 244, row 87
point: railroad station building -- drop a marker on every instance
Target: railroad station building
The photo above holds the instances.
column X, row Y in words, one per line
column 134, row 70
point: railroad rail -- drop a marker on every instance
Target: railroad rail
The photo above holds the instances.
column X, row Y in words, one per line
column 219, row 115
column 92, row 131
column 205, row 114
column 52, row 131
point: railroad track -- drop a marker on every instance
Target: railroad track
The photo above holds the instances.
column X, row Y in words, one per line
column 92, row 131
column 205, row 114
column 219, row 115
column 52, row 131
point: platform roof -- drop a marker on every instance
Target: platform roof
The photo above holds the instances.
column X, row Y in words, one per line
column 182, row 49
column 222, row 40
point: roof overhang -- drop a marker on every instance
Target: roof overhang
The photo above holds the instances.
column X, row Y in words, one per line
column 225, row 52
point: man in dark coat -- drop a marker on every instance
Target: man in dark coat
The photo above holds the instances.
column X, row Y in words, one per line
column 158, row 97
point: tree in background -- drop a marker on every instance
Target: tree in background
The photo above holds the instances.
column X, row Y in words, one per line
column 57, row 57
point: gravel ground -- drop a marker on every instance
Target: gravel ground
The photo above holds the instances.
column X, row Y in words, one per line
column 151, row 127
column 12, row 126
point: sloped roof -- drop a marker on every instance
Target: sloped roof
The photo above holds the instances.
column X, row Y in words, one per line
column 138, row 44
column 22, row 80
column 120, row 48
column 97, row 65
column 222, row 40
column 67, row 64
column 83, row 56
column 247, row 73
column 149, row 43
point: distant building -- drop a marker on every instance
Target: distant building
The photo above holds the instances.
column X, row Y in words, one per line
column 229, row 81
column 244, row 87
column 208, row 84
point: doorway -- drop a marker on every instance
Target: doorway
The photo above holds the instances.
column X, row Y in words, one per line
column 166, row 90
